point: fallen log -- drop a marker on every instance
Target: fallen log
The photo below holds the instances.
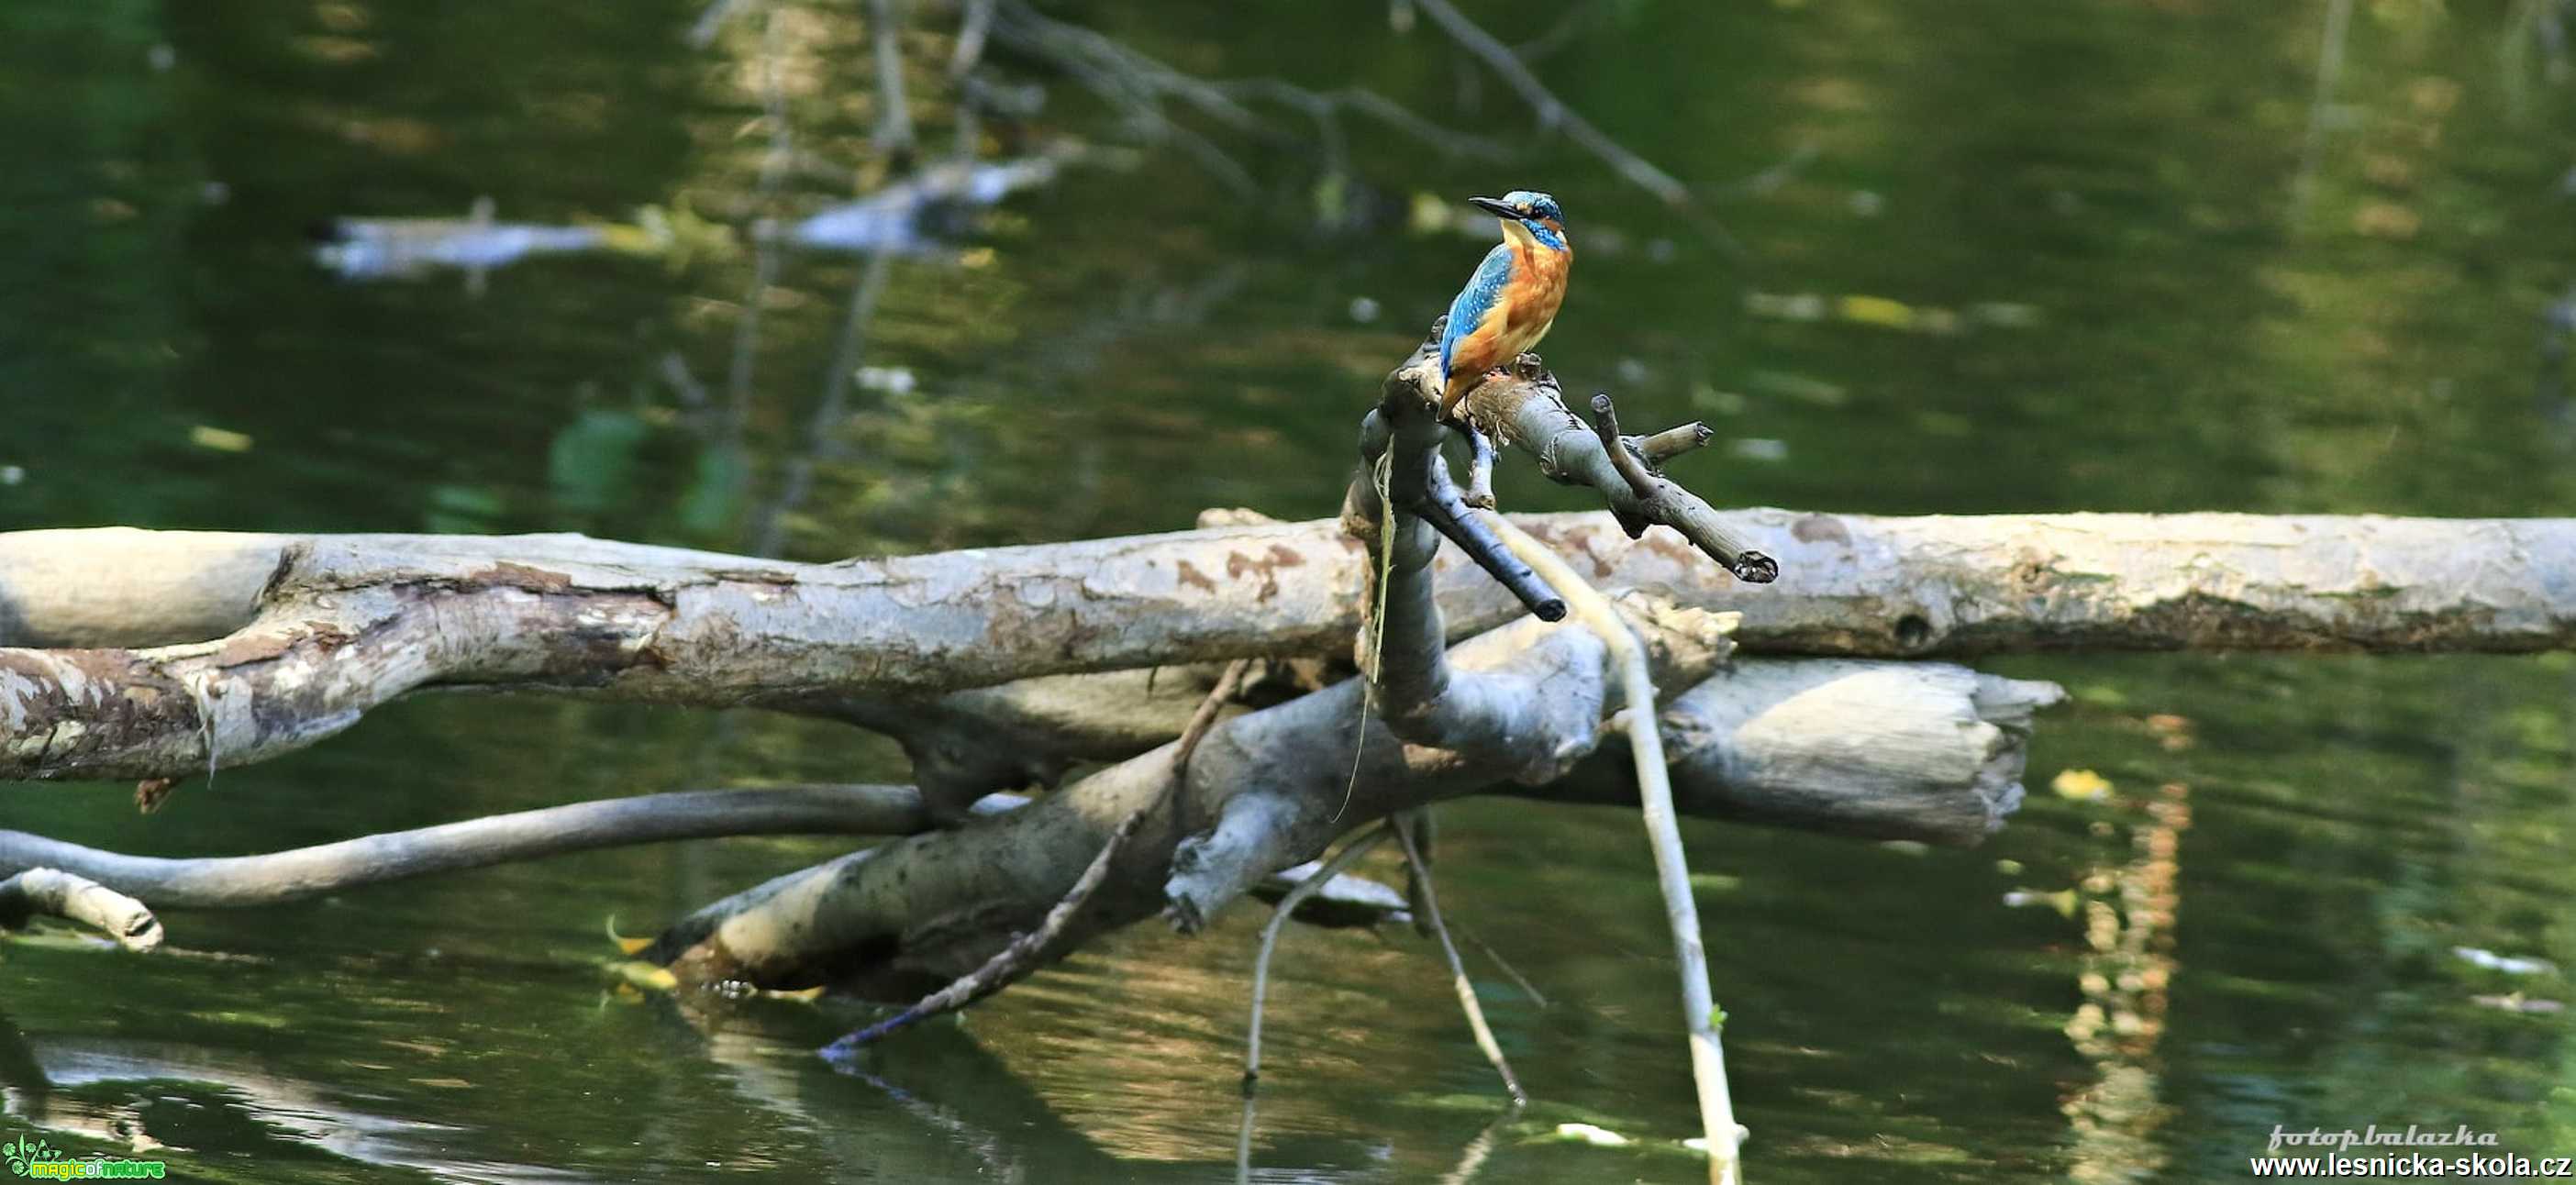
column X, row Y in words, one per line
column 96, row 681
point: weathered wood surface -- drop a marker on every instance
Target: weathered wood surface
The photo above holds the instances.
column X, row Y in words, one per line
column 319, row 629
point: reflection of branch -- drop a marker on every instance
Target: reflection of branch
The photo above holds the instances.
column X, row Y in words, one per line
column 1466, row 989
column 799, row 482
column 1324, row 105
column 894, row 116
column 712, row 21
column 973, row 26
column 764, row 268
column 1350, row 853
column 1559, row 35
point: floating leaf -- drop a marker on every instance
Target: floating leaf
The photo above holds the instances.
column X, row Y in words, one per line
column 2081, row 785
column 219, row 439
column 1878, row 310
column 1598, row 1137
column 2508, row 964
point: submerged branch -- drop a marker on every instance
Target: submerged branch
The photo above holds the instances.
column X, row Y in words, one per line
column 272, row 878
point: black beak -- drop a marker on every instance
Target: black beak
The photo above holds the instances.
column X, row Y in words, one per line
column 1496, row 207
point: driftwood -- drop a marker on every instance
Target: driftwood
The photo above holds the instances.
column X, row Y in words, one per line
column 131, row 654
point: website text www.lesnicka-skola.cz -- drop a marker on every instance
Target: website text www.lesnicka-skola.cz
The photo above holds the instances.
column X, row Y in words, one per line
column 2410, row 1165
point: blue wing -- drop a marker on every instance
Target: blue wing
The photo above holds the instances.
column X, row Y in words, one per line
column 1476, row 300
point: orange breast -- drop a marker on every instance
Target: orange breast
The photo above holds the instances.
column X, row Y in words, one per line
column 1518, row 320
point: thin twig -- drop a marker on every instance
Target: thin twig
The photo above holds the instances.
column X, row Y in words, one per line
column 1605, row 420
column 1480, row 470
column 1279, row 916
column 1017, row 958
column 1663, row 834
column 1457, row 970
column 1228, row 685
column 1006, row 965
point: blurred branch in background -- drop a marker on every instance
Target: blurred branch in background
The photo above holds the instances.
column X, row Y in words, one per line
column 1555, row 114
column 2321, row 108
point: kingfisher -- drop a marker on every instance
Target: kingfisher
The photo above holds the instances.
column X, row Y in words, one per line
column 1511, row 300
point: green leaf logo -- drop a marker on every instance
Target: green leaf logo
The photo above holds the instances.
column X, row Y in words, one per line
column 24, row 1152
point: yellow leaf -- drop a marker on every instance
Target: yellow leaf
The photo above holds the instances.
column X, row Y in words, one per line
column 2082, row 785
column 1878, row 310
column 625, row 945
column 645, row 975
column 218, row 439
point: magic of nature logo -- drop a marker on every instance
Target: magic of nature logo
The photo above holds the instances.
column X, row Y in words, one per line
column 31, row 1156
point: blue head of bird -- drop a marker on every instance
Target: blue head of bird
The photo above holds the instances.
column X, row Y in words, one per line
column 1527, row 212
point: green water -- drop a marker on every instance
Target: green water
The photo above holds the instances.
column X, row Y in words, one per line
column 2103, row 198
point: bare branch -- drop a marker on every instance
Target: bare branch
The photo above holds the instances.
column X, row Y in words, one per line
column 234, row 881
column 51, row 892
column 1527, row 410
